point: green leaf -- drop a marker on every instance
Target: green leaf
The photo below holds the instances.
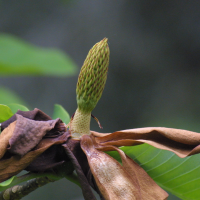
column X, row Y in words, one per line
column 21, row 58
column 180, row 176
column 5, row 113
column 7, row 97
column 60, row 112
column 7, row 182
column 15, row 107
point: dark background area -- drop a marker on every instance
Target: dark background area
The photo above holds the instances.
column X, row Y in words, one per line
column 154, row 72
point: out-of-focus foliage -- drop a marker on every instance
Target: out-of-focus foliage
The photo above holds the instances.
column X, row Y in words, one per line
column 60, row 112
column 15, row 107
column 20, row 58
column 17, row 57
column 7, row 97
column 6, row 113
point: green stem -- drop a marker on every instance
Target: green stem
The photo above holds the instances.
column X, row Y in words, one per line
column 80, row 124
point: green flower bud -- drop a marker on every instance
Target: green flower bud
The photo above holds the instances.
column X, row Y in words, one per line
column 91, row 82
column 92, row 77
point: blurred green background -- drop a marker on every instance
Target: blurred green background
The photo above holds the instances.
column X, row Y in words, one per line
column 154, row 71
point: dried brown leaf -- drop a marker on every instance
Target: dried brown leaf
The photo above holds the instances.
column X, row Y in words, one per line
column 47, row 160
column 113, row 181
column 15, row 164
column 4, row 138
column 148, row 187
column 181, row 142
column 28, row 133
column 35, row 114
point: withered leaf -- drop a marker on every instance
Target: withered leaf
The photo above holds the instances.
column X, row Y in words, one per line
column 28, row 133
column 149, row 189
column 49, row 159
column 113, row 181
column 35, row 114
column 15, row 164
column 181, row 142
column 4, row 138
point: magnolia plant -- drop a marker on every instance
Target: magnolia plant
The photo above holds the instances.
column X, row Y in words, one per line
column 50, row 149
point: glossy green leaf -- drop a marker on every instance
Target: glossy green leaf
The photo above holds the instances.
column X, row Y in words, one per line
column 7, row 97
column 15, row 107
column 5, row 113
column 21, row 58
column 60, row 112
column 180, row 176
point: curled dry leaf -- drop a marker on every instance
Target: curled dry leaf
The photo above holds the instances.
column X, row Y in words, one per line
column 112, row 180
column 147, row 185
column 181, row 142
column 35, row 114
column 25, row 139
column 5, row 137
column 15, row 164
column 50, row 158
column 129, row 181
column 28, row 133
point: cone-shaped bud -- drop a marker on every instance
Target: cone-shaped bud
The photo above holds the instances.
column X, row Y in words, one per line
column 92, row 77
column 91, row 82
